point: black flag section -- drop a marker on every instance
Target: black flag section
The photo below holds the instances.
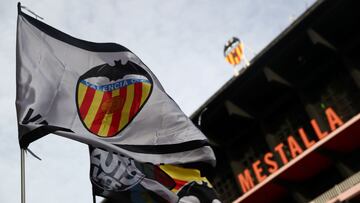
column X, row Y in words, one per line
column 117, row 177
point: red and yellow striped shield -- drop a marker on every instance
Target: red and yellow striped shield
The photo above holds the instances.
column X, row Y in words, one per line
column 106, row 108
column 234, row 51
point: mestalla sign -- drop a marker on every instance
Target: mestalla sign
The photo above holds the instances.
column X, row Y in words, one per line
column 249, row 177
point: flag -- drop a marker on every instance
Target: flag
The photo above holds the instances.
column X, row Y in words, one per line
column 124, row 179
column 103, row 95
column 99, row 94
column 121, row 178
column 234, row 51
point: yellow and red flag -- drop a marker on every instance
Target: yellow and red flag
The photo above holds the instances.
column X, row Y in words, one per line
column 234, row 51
column 183, row 176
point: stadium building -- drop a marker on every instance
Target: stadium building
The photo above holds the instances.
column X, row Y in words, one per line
column 287, row 129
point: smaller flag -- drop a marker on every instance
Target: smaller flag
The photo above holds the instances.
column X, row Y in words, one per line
column 234, row 51
column 190, row 185
column 121, row 178
column 183, row 176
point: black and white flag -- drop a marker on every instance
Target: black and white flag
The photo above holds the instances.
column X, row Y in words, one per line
column 100, row 94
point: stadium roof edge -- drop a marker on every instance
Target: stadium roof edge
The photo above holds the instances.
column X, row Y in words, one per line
column 291, row 27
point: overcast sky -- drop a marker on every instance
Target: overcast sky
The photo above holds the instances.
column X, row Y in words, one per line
column 180, row 41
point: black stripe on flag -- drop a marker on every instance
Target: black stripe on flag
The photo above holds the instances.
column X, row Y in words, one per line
column 38, row 133
column 90, row 46
column 167, row 148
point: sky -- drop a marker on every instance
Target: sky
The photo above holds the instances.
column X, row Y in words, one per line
column 180, row 41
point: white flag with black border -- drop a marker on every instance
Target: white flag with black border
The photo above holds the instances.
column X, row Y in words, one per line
column 100, row 94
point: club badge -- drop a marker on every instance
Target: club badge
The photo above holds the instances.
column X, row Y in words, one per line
column 109, row 97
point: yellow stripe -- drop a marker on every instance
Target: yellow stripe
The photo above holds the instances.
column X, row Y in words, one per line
column 89, row 118
column 231, row 58
column 81, row 93
column 145, row 92
column 105, row 125
column 106, row 122
column 239, row 52
column 236, row 59
column 127, row 106
column 184, row 174
column 227, row 59
column 242, row 47
column 116, row 93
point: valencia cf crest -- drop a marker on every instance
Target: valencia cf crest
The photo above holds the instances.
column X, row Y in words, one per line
column 109, row 97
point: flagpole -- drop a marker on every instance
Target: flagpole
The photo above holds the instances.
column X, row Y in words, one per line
column 236, row 72
column 247, row 63
column 22, row 175
column 93, row 195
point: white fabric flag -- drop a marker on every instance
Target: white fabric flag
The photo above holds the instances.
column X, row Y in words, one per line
column 99, row 94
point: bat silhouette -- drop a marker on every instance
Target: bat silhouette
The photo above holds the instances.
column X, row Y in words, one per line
column 115, row 72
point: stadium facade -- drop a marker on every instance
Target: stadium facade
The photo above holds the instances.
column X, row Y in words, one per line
column 287, row 129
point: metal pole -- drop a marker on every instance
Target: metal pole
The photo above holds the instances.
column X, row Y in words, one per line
column 236, row 72
column 247, row 63
column 93, row 195
column 22, row 175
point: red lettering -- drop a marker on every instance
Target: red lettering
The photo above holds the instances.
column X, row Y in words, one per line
column 294, row 147
column 308, row 143
column 333, row 119
column 280, row 150
column 273, row 166
column 260, row 177
column 246, row 181
column 317, row 129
